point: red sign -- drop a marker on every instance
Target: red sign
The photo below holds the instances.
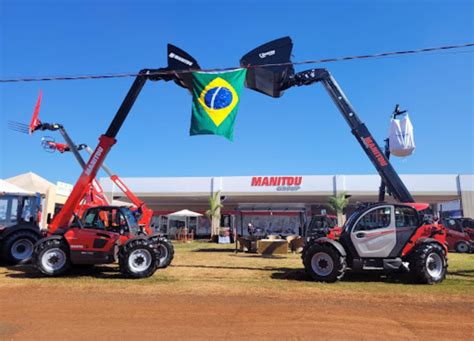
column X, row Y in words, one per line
column 276, row 181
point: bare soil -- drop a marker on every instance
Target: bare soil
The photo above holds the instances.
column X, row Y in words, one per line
column 216, row 295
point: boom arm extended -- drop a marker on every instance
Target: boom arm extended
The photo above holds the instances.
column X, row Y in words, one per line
column 394, row 184
column 96, row 194
column 177, row 60
column 106, row 141
column 146, row 212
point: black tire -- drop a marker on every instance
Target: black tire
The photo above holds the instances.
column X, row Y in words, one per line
column 324, row 263
column 428, row 263
column 18, row 247
column 462, row 247
column 165, row 253
column 51, row 257
column 137, row 259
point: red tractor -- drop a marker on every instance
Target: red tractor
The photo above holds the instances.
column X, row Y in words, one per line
column 460, row 234
column 105, row 234
column 381, row 236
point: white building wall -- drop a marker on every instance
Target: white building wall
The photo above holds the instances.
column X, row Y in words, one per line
column 466, row 187
column 438, row 188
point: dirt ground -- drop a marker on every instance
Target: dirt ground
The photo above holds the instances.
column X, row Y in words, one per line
column 212, row 293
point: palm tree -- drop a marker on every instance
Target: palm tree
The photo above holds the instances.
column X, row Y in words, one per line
column 214, row 212
column 338, row 203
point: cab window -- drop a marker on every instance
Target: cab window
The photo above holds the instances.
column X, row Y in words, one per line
column 406, row 217
column 378, row 218
column 3, row 210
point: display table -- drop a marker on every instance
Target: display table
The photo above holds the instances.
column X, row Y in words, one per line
column 268, row 247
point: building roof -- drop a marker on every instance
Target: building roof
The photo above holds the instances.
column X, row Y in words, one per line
column 31, row 182
column 8, row 188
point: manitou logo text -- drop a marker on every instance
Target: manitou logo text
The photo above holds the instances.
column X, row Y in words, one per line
column 373, row 147
column 181, row 59
column 266, row 54
column 282, row 183
column 94, row 160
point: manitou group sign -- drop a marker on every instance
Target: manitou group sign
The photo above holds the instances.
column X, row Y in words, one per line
column 280, row 183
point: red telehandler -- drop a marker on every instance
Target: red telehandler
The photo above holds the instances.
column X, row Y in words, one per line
column 106, row 234
column 140, row 208
column 377, row 236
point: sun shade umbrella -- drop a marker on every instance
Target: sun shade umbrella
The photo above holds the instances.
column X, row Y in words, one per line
column 186, row 214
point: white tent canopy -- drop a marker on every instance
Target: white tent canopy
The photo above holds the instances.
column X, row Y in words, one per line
column 184, row 213
column 8, row 188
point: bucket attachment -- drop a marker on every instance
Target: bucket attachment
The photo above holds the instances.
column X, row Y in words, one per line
column 269, row 80
column 179, row 60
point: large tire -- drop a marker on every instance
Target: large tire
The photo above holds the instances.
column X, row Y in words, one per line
column 18, row 247
column 137, row 259
column 428, row 263
column 51, row 257
column 462, row 247
column 324, row 263
column 165, row 253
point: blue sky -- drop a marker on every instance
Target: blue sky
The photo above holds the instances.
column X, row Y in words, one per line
column 300, row 133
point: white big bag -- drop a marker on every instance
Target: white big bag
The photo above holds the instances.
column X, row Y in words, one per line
column 401, row 140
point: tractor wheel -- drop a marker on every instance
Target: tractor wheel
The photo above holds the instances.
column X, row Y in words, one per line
column 165, row 253
column 51, row 257
column 18, row 247
column 462, row 247
column 137, row 259
column 324, row 263
column 428, row 264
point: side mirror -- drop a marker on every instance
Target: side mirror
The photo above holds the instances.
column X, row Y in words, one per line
column 269, row 80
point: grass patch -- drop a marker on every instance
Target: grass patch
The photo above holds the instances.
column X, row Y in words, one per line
column 205, row 268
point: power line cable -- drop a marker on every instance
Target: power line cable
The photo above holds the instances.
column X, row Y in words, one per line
column 310, row 61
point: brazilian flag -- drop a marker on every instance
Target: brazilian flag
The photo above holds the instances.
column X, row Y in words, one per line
column 216, row 98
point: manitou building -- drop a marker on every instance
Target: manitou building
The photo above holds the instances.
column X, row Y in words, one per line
column 279, row 204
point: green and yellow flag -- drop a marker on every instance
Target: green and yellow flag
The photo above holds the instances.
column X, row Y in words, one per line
column 216, row 98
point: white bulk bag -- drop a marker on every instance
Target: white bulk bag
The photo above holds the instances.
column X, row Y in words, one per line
column 401, row 140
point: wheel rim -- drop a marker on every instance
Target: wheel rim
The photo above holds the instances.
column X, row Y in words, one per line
column 163, row 253
column 434, row 265
column 322, row 264
column 53, row 260
column 462, row 247
column 22, row 249
column 139, row 260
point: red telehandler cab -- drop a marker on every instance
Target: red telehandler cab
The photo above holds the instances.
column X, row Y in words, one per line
column 106, row 234
column 379, row 236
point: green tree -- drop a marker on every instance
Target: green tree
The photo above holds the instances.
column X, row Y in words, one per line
column 338, row 203
column 214, row 212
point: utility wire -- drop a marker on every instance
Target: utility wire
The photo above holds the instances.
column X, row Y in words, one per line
column 311, row 61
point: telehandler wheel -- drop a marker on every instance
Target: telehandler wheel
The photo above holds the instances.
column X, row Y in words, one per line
column 324, row 263
column 137, row 259
column 428, row 264
column 51, row 257
column 462, row 247
column 165, row 254
column 18, row 247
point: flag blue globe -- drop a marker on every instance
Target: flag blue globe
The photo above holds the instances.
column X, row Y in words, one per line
column 218, row 98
